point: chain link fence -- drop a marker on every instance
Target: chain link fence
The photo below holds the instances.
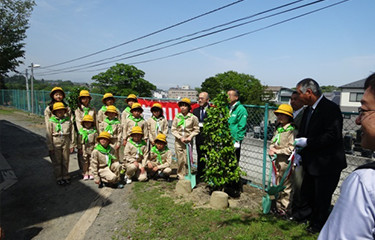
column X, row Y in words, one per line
column 261, row 124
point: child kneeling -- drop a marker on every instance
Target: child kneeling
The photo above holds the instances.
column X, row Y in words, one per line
column 135, row 156
column 160, row 159
column 104, row 165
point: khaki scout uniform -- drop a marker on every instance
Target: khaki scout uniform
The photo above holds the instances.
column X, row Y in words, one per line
column 101, row 115
column 60, row 141
column 87, row 147
column 156, row 126
column 115, row 135
column 129, row 123
column 48, row 114
column 190, row 129
column 100, row 169
column 163, row 164
column 80, row 113
column 283, row 142
column 133, row 154
column 124, row 115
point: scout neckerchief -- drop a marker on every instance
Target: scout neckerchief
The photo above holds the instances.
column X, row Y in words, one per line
column 104, row 108
column 136, row 120
column 85, row 133
column 110, row 123
column 59, row 122
column 155, row 150
column 85, row 110
column 127, row 109
column 158, row 127
column 106, row 152
column 182, row 119
column 138, row 146
column 281, row 130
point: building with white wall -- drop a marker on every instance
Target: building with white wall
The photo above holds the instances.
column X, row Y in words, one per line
column 351, row 95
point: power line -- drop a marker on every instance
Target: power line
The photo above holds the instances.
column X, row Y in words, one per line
column 147, row 35
column 227, row 39
column 190, row 39
column 178, row 38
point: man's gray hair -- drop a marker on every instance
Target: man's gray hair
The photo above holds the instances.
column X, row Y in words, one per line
column 309, row 83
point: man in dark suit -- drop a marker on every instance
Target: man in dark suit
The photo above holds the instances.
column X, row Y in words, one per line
column 201, row 114
column 323, row 156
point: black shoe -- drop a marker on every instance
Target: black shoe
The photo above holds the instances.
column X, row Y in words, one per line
column 60, row 182
column 313, row 229
column 66, row 181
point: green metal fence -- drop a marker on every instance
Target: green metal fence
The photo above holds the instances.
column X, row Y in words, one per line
column 260, row 128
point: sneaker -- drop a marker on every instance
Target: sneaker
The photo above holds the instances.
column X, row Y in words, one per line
column 86, row 177
column 128, row 180
column 91, row 177
column 120, row 186
column 66, row 181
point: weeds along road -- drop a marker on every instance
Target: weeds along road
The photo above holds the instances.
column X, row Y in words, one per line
column 35, row 207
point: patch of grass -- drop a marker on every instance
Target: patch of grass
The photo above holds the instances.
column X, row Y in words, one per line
column 5, row 111
column 158, row 217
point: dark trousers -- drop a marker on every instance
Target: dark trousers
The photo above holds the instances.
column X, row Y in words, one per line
column 201, row 163
column 316, row 193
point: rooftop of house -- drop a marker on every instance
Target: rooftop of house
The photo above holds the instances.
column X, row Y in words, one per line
column 356, row 84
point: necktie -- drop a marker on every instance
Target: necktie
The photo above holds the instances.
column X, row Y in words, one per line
column 202, row 114
column 309, row 113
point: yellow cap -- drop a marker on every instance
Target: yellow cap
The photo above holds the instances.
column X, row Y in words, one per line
column 131, row 96
column 105, row 135
column 87, row 118
column 285, row 109
column 156, row 105
column 137, row 129
column 111, row 109
column 136, row 106
column 58, row 106
column 84, row 93
column 108, row 95
column 161, row 137
column 184, row 100
column 55, row 89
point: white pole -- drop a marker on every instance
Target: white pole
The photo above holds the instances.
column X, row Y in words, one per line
column 32, row 87
column 27, row 90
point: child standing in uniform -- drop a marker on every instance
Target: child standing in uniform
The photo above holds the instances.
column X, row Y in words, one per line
column 104, row 165
column 86, row 142
column 160, row 158
column 156, row 124
column 84, row 108
column 112, row 125
column 134, row 119
column 60, row 141
column 57, row 95
column 108, row 100
column 132, row 98
column 282, row 146
column 185, row 126
column 135, row 156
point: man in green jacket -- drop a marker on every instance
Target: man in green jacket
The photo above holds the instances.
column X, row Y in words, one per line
column 237, row 120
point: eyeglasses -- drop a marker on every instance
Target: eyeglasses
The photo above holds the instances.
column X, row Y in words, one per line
column 361, row 111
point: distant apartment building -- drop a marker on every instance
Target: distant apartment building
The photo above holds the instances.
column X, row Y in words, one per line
column 182, row 92
column 159, row 93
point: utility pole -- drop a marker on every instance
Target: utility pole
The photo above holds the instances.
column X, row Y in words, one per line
column 32, row 85
column 27, row 90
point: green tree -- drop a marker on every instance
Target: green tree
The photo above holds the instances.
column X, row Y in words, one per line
column 14, row 17
column 329, row 88
column 121, row 80
column 250, row 88
column 221, row 163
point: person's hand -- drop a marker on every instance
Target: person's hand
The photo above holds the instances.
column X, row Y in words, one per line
column 136, row 164
column 152, row 143
column 271, row 152
column 149, row 165
column 117, row 146
column 124, row 142
column 72, row 150
column 237, row 145
column 155, row 169
column 97, row 181
column 187, row 140
column 182, row 139
column 300, row 142
column 142, row 170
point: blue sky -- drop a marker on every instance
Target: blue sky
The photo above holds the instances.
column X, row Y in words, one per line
column 335, row 46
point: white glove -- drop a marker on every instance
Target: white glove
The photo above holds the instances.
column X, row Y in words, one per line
column 300, row 142
column 237, row 145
